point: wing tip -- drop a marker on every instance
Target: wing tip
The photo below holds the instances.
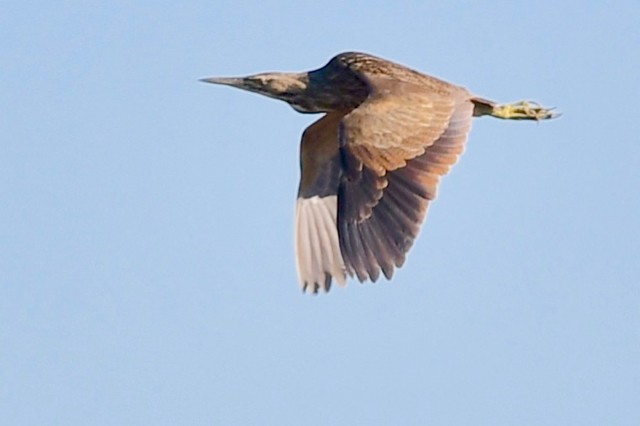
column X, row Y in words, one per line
column 315, row 287
column 319, row 259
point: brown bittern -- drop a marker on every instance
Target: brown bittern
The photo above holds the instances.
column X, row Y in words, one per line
column 371, row 165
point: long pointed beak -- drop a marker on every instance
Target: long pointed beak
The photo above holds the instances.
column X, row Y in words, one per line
column 227, row 81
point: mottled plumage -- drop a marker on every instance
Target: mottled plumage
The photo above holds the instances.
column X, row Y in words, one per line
column 371, row 165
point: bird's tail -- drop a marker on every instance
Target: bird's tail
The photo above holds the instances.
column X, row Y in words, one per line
column 522, row 110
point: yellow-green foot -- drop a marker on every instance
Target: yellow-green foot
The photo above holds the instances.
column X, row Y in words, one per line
column 523, row 110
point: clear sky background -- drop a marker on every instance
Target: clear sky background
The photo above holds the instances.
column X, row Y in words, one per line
column 146, row 221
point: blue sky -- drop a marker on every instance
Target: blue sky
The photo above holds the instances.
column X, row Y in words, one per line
column 146, row 227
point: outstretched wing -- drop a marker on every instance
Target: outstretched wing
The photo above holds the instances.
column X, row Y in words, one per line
column 316, row 234
column 394, row 148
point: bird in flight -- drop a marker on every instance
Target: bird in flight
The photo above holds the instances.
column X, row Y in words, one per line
column 372, row 163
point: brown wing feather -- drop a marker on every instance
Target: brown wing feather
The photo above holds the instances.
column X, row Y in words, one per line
column 378, row 166
column 395, row 124
column 394, row 150
column 318, row 255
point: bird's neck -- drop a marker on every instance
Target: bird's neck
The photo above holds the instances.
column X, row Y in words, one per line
column 326, row 92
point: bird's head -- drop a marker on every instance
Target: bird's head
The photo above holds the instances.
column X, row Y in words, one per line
column 288, row 87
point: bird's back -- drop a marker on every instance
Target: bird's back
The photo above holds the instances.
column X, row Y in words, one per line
column 365, row 64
